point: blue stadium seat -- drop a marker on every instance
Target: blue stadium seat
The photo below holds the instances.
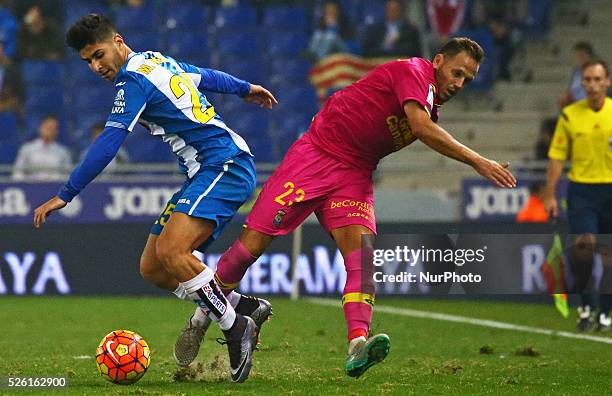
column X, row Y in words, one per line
column 77, row 72
column 538, row 19
column 185, row 16
column 286, row 43
column 41, row 72
column 43, row 99
column 263, row 149
column 301, row 98
column 287, row 70
column 285, row 17
column 91, row 97
column 239, row 43
column 243, row 68
column 142, row 40
column 235, row 17
column 134, row 18
column 251, row 123
column 8, row 124
column 75, row 9
column 185, row 43
column 144, row 148
column 8, row 152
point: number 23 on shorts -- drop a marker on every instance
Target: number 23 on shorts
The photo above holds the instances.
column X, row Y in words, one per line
column 298, row 195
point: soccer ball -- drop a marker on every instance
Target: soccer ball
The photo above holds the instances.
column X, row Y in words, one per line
column 122, row 357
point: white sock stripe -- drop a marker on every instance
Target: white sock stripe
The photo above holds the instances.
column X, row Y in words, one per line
column 193, row 285
column 227, row 320
column 181, row 293
column 205, row 193
column 473, row 321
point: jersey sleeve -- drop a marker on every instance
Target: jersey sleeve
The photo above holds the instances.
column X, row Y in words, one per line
column 129, row 102
column 560, row 144
column 410, row 83
column 215, row 81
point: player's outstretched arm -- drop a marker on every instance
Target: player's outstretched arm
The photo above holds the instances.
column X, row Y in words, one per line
column 434, row 136
column 261, row 97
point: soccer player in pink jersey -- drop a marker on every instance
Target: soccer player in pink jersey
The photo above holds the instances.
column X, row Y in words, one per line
column 328, row 171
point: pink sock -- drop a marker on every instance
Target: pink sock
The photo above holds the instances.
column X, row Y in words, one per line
column 232, row 266
column 358, row 296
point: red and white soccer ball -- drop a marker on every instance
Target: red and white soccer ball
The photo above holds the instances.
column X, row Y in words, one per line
column 122, row 357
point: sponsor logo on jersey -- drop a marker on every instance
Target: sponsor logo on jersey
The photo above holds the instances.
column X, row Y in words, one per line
column 431, row 95
column 184, row 201
column 119, row 104
column 120, row 84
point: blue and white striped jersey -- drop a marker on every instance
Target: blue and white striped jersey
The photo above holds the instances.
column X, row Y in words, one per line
column 162, row 94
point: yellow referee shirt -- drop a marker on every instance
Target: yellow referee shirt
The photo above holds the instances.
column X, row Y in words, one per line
column 585, row 137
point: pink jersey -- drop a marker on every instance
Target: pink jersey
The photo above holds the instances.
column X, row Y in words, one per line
column 366, row 121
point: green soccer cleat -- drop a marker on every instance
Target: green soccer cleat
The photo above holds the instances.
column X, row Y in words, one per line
column 366, row 354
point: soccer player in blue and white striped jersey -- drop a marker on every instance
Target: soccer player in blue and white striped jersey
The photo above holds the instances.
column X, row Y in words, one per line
column 166, row 97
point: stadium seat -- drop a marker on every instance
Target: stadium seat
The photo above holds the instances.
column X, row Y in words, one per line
column 235, row 17
column 142, row 40
column 291, row 17
column 143, row 147
column 183, row 16
column 182, row 44
column 8, row 152
column 40, row 72
column 245, row 69
column 251, row 123
column 287, row 71
column 263, row 149
column 238, row 43
column 135, row 18
column 286, row 43
column 301, row 98
column 8, row 124
column 538, row 19
column 485, row 79
column 75, row 9
column 91, row 97
column 77, row 72
column 43, row 99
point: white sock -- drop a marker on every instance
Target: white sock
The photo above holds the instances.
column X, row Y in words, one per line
column 200, row 317
column 181, row 293
column 206, row 293
column 354, row 343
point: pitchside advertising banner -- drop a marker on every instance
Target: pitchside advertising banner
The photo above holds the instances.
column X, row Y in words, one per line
column 100, row 202
column 481, row 201
column 103, row 259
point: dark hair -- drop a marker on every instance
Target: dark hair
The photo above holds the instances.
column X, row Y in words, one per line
column 90, row 29
column 596, row 62
column 459, row 44
column 584, row 46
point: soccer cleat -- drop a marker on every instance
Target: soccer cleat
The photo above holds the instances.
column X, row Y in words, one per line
column 257, row 309
column 188, row 343
column 366, row 354
column 585, row 322
column 241, row 340
column 604, row 323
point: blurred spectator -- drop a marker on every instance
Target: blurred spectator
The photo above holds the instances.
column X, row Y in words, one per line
column 533, row 211
column 11, row 85
column 547, row 129
column 121, row 158
column 393, row 37
column 583, row 53
column 43, row 158
column 504, row 44
column 39, row 38
column 8, row 28
column 445, row 18
column 331, row 34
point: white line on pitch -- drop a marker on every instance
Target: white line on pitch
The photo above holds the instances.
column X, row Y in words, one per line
column 473, row 321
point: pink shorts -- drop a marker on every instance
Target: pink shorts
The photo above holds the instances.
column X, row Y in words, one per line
column 310, row 180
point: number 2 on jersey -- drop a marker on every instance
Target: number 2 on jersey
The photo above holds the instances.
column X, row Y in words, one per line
column 299, row 195
column 178, row 83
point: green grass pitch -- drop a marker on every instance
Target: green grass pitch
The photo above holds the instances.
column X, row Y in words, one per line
column 303, row 350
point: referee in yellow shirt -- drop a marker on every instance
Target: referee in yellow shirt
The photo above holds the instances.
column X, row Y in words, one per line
column 584, row 135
